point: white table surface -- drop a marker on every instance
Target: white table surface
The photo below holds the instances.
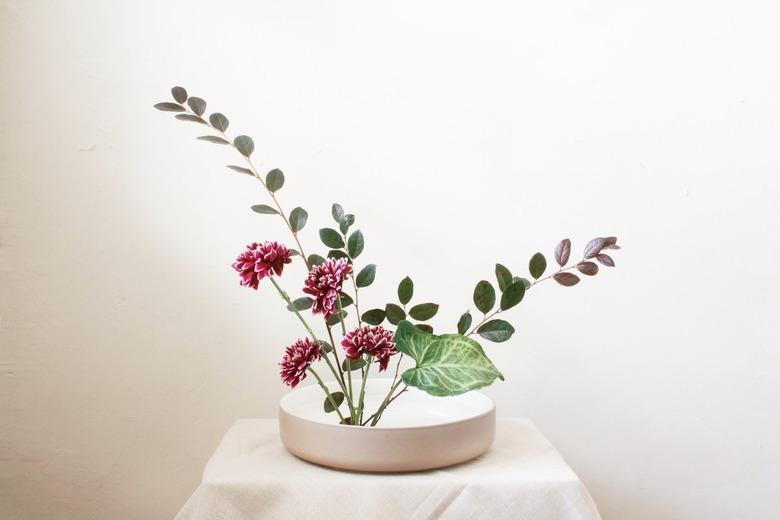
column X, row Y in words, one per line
column 252, row 476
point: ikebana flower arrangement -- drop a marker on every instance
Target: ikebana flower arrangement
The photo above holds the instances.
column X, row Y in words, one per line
column 373, row 340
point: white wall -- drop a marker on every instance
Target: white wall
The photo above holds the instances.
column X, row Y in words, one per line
column 460, row 135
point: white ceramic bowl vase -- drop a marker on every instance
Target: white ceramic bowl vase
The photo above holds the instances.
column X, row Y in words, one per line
column 417, row 431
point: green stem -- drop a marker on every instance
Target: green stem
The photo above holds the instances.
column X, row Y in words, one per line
column 363, row 388
column 327, row 392
column 348, row 361
column 286, row 298
column 387, row 401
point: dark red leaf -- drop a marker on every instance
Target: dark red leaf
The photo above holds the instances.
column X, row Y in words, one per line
column 605, row 260
column 562, row 251
column 588, row 268
column 611, row 243
column 594, row 247
column 566, row 279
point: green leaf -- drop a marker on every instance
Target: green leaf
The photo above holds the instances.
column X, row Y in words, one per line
column 219, row 121
column 298, row 217
column 336, row 318
column 337, row 211
column 512, row 295
column 337, row 253
column 337, row 397
column 331, row 238
column 405, row 290
column 366, row 276
column 213, row 139
column 496, row 330
column 354, row 364
column 450, row 364
column 301, row 304
column 394, row 313
column 190, row 117
column 179, row 94
column 374, row 316
column 326, row 346
column 537, row 265
column 503, row 276
column 525, row 281
column 464, row 322
column 264, row 210
column 484, row 296
column 244, row 145
column 424, row 327
column 315, row 259
column 345, row 222
column 169, row 107
column 424, row 311
column 355, row 244
column 241, row 169
column 346, row 300
column 197, row 105
column 274, row 180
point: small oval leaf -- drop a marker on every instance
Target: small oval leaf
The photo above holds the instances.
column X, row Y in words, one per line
column 179, row 94
column 424, row 311
column 244, row 145
column 354, row 364
column 219, row 121
column 190, row 117
column 366, row 276
column 315, row 259
column 595, row 246
column 336, row 318
column 405, row 290
column 331, row 238
column 605, row 259
column 537, row 265
column 566, row 279
column 464, row 322
column 213, row 139
column 588, row 268
column 336, row 397
column 503, row 276
column 374, row 316
column 394, row 313
column 513, row 295
column 484, row 296
column 197, row 105
column 337, row 211
column 241, row 169
column 264, row 210
column 496, row 330
column 345, row 222
column 169, row 107
column 301, row 304
column 337, row 253
column 345, row 300
column 525, row 281
column 355, row 244
column 424, row 327
column 298, row 218
column 274, row 180
column 562, row 252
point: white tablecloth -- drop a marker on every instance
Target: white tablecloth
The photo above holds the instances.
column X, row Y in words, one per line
column 252, row 476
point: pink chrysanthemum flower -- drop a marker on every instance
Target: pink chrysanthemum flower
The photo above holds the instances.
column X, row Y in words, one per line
column 374, row 341
column 296, row 360
column 324, row 284
column 261, row 260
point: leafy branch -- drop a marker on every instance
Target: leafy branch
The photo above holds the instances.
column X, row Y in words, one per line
column 192, row 109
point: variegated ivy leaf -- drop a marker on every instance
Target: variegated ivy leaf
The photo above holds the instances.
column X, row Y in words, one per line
column 450, row 364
